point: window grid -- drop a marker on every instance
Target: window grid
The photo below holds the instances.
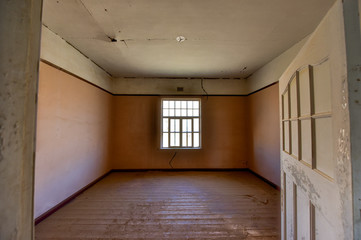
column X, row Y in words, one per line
column 180, row 124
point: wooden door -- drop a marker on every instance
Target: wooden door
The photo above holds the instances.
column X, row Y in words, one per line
column 315, row 151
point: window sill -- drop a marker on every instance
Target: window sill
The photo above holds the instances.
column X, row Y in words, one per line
column 180, row 148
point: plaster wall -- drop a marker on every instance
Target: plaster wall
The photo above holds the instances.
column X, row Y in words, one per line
column 164, row 86
column 353, row 56
column 136, row 135
column 20, row 22
column 264, row 157
column 272, row 71
column 84, row 132
column 72, row 136
column 57, row 51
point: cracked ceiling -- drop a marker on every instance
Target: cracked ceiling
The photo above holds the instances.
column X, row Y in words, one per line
column 223, row 38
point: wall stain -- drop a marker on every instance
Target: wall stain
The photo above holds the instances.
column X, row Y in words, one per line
column 302, row 181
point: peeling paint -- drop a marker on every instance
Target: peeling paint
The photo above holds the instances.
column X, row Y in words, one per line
column 303, row 181
column 343, row 157
column 331, row 197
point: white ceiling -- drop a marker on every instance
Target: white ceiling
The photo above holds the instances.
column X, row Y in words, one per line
column 223, row 37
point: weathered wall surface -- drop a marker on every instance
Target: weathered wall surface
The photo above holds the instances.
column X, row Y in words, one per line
column 19, row 53
column 317, row 196
column 272, row 71
column 136, row 135
column 359, row 10
column 264, row 134
column 72, row 136
column 57, row 51
column 164, row 86
column 352, row 25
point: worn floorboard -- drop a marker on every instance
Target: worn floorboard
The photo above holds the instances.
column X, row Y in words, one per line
column 169, row 205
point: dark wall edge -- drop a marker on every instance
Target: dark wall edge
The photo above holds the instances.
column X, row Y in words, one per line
column 270, row 85
column 182, row 169
column 264, row 179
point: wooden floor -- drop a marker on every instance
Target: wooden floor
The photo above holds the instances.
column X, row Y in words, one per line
column 169, row 205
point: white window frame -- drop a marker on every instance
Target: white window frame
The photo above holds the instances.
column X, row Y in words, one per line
column 180, row 127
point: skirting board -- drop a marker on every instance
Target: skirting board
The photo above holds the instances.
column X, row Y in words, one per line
column 76, row 194
column 69, row 199
column 264, row 179
column 181, row 169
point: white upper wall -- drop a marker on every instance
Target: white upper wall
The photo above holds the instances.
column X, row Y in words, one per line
column 57, row 51
column 164, row 86
column 272, row 71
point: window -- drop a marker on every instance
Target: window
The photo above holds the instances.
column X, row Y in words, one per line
column 181, row 123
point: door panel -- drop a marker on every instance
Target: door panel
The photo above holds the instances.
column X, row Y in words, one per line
column 316, row 172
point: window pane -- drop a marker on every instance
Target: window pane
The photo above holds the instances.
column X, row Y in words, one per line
column 171, row 104
column 189, row 104
column 165, row 104
column 190, row 112
column 172, row 125
column 184, row 112
column 184, row 104
column 189, row 125
column 184, row 140
column 189, row 139
column 177, row 112
column 165, row 112
column 177, row 104
column 196, row 140
column 186, row 125
column 176, row 140
column 195, row 104
column 196, row 124
column 165, row 140
column 177, row 125
column 172, row 139
column 196, row 113
column 171, row 112
column 165, row 124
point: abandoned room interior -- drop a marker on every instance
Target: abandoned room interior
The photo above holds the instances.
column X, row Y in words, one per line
column 163, row 119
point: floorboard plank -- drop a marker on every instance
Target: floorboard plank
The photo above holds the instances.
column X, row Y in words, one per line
column 169, row 205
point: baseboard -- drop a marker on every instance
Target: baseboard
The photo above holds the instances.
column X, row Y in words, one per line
column 201, row 170
column 264, row 179
column 181, row 169
column 69, row 199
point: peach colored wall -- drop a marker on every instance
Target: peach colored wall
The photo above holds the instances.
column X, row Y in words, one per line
column 136, row 135
column 265, row 134
column 72, row 136
column 83, row 132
